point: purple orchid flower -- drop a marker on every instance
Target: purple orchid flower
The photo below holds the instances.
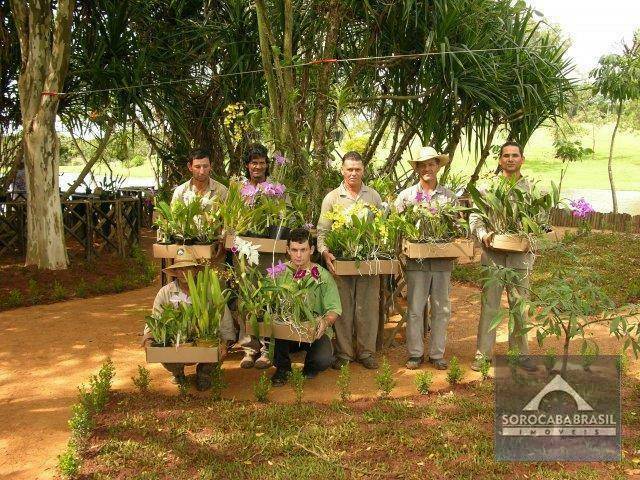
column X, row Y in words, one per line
column 249, row 192
column 580, row 208
column 277, row 270
column 309, row 226
column 234, row 249
column 315, row 272
column 423, row 197
column 300, row 274
column 279, row 158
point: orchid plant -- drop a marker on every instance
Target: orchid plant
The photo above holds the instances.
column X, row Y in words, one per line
column 273, row 295
column 581, row 209
column 196, row 316
column 427, row 221
column 507, row 209
column 175, row 325
column 362, row 232
column 199, row 219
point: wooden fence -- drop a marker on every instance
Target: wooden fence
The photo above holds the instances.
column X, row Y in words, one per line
column 617, row 222
column 96, row 225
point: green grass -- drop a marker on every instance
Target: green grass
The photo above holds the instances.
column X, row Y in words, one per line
column 448, row 436
column 613, row 257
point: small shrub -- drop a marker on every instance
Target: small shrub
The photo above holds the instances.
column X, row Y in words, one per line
column 69, row 462
column 81, row 423
column 58, row 292
column 297, row 382
column 34, row 291
column 384, row 379
column 423, row 382
column 588, row 355
column 485, row 365
column 622, row 363
column 183, row 388
column 100, row 286
column 262, row 388
column 81, row 289
column 455, row 373
column 14, row 299
column 218, row 383
column 143, row 379
column 550, row 359
column 118, row 284
column 344, row 382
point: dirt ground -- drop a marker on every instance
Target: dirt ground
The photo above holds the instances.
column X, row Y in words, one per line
column 48, row 350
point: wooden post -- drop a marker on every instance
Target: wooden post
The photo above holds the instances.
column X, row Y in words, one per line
column 119, row 227
column 88, row 226
column 382, row 311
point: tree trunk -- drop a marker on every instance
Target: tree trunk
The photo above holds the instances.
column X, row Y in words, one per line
column 44, row 62
column 610, row 166
column 92, row 161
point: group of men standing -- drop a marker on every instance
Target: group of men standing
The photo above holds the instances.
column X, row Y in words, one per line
column 350, row 303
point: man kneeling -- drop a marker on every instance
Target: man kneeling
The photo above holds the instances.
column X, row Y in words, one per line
column 178, row 291
column 324, row 302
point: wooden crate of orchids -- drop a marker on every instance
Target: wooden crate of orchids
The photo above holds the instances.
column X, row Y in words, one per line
column 363, row 239
column 187, row 329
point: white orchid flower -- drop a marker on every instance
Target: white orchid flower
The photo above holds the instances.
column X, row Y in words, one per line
column 247, row 249
column 180, row 297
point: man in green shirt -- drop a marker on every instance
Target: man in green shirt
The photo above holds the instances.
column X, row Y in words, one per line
column 324, row 302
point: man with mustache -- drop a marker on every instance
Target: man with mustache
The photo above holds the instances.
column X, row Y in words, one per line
column 359, row 294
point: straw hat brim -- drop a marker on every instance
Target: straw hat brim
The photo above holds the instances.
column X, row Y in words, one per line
column 443, row 159
column 175, row 269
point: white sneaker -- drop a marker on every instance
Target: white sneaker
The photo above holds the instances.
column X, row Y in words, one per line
column 263, row 362
column 247, row 361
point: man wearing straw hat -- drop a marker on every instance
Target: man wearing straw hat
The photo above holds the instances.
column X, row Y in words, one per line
column 510, row 160
column 428, row 280
column 178, row 291
column 359, row 295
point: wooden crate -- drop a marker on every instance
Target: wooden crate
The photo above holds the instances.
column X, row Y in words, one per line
column 456, row 249
column 171, row 250
column 265, row 245
column 510, row 243
column 284, row 332
column 188, row 354
column 366, row 267
column 518, row 243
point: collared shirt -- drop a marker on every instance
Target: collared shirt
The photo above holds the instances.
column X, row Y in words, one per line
column 477, row 226
column 441, row 195
column 187, row 191
column 340, row 196
column 163, row 297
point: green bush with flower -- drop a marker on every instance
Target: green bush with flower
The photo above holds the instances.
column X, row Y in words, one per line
column 277, row 295
column 506, row 209
column 193, row 317
column 197, row 221
column 362, row 232
column 433, row 222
